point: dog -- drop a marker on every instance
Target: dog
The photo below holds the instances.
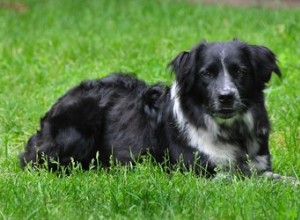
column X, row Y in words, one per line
column 213, row 116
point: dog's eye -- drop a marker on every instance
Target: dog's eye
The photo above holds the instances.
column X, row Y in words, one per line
column 241, row 71
column 206, row 74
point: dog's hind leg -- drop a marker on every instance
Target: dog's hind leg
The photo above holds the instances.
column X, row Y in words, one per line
column 29, row 155
column 70, row 131
column 38, row 153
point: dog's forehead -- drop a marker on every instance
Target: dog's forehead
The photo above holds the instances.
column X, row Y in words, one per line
column 224, row 51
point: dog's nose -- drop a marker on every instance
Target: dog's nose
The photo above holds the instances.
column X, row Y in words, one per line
column 226, row 98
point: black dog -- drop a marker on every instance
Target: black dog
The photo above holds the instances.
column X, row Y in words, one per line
column 213, row 116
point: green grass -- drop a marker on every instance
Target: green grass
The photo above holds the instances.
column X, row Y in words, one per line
column 55, row 44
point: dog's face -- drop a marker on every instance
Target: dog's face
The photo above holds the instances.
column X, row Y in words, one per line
column 222, row 79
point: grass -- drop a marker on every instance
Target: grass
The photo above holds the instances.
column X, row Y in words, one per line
column 56, row 44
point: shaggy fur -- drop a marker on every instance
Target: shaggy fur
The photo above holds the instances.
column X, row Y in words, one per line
column 212, row 117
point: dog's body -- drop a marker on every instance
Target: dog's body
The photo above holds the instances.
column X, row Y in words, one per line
column 213, row 116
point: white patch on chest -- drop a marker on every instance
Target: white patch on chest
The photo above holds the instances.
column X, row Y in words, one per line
column 205, row 141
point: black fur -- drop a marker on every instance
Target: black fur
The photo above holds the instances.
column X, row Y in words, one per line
column 218, row 92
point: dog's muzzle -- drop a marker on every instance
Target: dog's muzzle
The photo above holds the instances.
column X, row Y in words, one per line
column 226, row 104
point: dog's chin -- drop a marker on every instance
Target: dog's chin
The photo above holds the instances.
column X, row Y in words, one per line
column 226, row 114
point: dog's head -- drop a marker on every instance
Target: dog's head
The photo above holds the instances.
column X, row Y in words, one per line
column 222, row 79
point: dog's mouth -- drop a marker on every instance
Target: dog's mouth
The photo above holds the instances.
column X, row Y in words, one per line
column 226, row 113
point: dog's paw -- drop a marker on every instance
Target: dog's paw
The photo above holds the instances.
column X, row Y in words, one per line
column 273, row 176
column 278, row 177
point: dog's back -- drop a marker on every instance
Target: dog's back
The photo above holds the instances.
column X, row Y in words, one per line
column 113, row 116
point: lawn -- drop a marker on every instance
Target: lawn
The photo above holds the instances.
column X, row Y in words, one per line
column 51, row 45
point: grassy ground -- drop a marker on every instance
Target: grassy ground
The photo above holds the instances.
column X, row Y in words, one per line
column 55, row 44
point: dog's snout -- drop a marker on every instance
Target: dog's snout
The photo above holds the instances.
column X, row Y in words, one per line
column 226, row 98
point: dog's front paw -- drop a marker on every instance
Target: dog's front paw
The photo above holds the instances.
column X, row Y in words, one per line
column 273, row 176
column 278, row 177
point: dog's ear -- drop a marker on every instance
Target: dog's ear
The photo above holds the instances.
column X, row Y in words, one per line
column 180, row 64
column 182, row 67
column 185, row 66
column 265, row 63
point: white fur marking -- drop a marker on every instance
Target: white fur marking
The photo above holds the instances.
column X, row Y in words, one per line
column 222, row 57
column 227, row 83
column 252, row 146
column 249, row 121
